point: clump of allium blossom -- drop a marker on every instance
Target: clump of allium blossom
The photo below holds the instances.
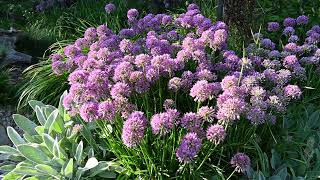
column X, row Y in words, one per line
column 167, row 66
column 216, row 134
column 241, row 162
column 134, row 129
column 189, row 148
column 110, row 8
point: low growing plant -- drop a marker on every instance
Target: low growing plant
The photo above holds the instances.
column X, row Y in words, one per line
column 51, row 150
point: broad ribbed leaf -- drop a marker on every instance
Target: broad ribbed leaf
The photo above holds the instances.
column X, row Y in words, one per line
column 68, row 171
column 33, row 153
column 79, row 152
column 52, row 117
column 15, row 138
column 25, row 124
column 34, row 103
column 40, row 116
column 47, row 169
column 8, row 150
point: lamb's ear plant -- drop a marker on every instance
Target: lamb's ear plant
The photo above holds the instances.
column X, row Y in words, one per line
column 51, row 150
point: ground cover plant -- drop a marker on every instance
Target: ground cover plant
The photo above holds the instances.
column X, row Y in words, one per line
column 166, row 97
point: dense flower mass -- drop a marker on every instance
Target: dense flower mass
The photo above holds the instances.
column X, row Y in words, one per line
column 165, row 74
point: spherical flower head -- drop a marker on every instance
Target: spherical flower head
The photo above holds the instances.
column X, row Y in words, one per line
column 109, row 8
column 316, row 28
column 231, row 110
column 168, row 104
column 89, row 111
column 206, row 113
column 90, row 33
column 205, row 74
column 71, row 51
column 191, row 121
column 291, row 47
column 77, row 128
column 122, row 71
column 273, row 26
column 216, row 134
column 302, row 20
column 142, row 60
column 120, row 90
column 107, row 111
column 127, row 33
column 189, row 148
column 292, row 91
column 293, row 39
column 289, row 22
column 59, row 67
column 175, row 84
column 78, row 76
column 152, row 74
column 256, row 115
column 288, row 31
column 241, row 162
column 268, row 44
column 201, row 91
column 166, row 20
column 103, row 30
column 132, row 14
column 134, row 129
column 162, row 123
column 228, row 82
column 56, row 57
column 220, row 39
column 290, row 62
column 192, row 7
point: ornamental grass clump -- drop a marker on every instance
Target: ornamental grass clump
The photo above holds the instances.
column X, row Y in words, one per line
column 175, row 96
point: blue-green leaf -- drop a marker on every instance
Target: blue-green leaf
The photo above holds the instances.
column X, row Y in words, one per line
column 52, row 117
column 8, row 150
column 15, row 138
column 68, row 171
column 79, row 152
column 25, row 124
column 34, row 103
column 33, row 153
column 40, row 116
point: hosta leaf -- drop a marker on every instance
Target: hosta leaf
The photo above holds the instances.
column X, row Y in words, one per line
column 33, row 153
column 40, row 116
column 34, row 103
column 25, row 124
column 79, row 152
column 48, row 170
column 91, row 163
column 68, row 171
column 15, row 138
column 52, row 117
column 8, row 150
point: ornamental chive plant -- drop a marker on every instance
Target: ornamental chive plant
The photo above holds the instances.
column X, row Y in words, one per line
column 180, row 103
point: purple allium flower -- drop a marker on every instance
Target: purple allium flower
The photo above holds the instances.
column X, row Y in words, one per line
column 166, row 20
column 175, row 84
column 231, row 110
column 228, row 82
column 120, row 90
column 273, row 26
column 256, row 115
column 133, row 129
column 132, row 14
column 205, row 74
column 122, row 71
column 56, row 57
column 206, row 113
column 288, row 31
column 268, row 44
column 59, row 67
column 241, row 162
column 201, row 91
column 71, row 51
column 189, row 148
column 192, row 7
column 168, row 104
column 220, row 39
column 77, row 128
column 302, row 20
column 152, row 74
column 90, row 34
column 110, row 8
column 293, row 39
column 277, row 103
column 216, row 134
column 78, row 76
column 162, row 123
column 103, row 30
column 292, row 91
column 290, row 62
column 89, row 111
column 289, row 22
column 291, row 47
column 191, row 121
column 107, row 111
